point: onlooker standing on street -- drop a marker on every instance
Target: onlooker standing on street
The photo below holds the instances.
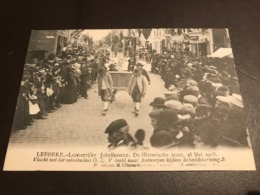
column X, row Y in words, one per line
column 94, row 66
column 85, row 80
column 22, row 117
column 71, row 93
column 105, row 85
column 38, row 82
column 137, row 88
column 131, row 64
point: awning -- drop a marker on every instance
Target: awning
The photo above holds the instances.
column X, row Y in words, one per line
column 221, row 53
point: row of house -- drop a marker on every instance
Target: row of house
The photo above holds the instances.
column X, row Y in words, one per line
column 199, row 41
column 44, row 42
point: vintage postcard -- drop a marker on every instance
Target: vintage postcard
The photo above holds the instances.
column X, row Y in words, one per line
column 158, row 99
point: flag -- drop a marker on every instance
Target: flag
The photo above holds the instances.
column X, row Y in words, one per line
column 179, row 31
column 121, row 35
column 146, row 32
column 139, row 32
column 172, row 31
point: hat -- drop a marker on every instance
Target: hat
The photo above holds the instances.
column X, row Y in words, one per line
column 167, row 119
column 203, row 101
column 77, row 65
column 191, row 99
column 213, row 78
column 158, row 101
column 221, row 91
column 139, row 64
column 160, row 139
column 57, row 58
column 189, row 64
column 172, row 87
column 170, row 93
column 155, row 114
column 29, row 66
column 173, row 104
column 187, row 109
column 41, row 72
column 223, row 101
column 115, row 125
column 193, row 90
column 211, row 75
column 236, row 100
column 223, row 88
column 172, row 97
column 206, row 86
column 56, row 78
column 191, row 82
column 25, row 77
column 212, row 67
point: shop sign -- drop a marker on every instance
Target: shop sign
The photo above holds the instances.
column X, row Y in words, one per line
column 194, row 38
column 50, row 37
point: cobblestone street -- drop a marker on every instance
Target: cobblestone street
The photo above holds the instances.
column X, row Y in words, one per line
column 81, row 123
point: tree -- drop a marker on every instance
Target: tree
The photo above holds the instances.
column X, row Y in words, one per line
column 90, row 40
column 86, row 39
column 115, row 39
column 107, row 39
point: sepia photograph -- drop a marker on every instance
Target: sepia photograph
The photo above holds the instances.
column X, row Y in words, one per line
column 129, row 100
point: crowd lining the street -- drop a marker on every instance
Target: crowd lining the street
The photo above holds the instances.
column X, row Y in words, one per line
column 202, row 104
column 58, row 79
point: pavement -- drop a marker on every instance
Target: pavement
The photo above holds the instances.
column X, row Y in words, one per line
column 81, row 123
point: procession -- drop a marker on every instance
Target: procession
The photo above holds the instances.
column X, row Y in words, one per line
column 127, row 90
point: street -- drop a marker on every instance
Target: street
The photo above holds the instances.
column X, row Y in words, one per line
column 81, row 123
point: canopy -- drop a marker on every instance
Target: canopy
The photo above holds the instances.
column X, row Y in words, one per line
column 221, row 53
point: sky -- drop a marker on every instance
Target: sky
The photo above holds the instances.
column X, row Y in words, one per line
column 97, row 34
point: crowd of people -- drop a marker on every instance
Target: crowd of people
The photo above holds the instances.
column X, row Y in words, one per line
column 202, row 105
column 58, row 79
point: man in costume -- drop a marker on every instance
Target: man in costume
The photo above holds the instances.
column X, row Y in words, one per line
column 105, row 85
column 137, row 89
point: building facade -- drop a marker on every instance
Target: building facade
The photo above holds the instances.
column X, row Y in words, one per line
column 44, row 42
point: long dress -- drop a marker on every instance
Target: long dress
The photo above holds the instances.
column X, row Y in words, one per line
column 71, row 96
column 85, row 78
column 21, row 118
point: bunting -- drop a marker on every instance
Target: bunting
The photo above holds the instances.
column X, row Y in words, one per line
column 146, row 32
